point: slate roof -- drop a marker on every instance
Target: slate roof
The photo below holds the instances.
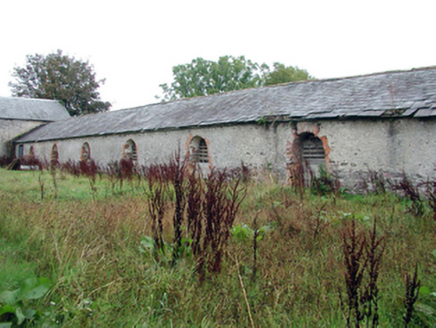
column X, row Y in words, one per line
column 399, row 93
column 32, row 109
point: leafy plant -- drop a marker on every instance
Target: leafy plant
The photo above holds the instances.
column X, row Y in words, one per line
column 14, row 308
column 411, row 192
column 325, row 183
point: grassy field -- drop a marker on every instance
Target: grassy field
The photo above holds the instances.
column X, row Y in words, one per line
column 283, row 264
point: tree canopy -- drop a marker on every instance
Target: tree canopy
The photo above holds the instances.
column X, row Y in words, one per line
column 56, row 76
column 283, row 74
column 205, row 77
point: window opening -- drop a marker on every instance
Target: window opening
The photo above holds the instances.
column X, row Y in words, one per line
column 313, row 150
column 202, row 152
column 31, row 152
column 199, row 151
column 20, row 150
column 130, row 150
column 311, row 154
column 54, row 153
column 86, row 152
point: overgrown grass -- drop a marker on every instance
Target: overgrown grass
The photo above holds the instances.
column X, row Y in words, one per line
column 90, row 243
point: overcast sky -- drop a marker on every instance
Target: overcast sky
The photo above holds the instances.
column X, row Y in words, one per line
column 135, row 44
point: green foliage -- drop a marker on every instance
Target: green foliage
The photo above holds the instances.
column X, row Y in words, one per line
column 325, row 183
column 244, row 233
column 59, row 77
column 106, row 274
column 283, row 74
column 205, row 77
column 426, row 304
column 12, row 303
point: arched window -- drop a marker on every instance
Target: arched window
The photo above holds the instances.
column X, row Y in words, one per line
column 311, row 155
column 54, row 153
column 85, row 154
column 198, row 150
column 130, row 150
column 312, row 149
column 31, row 151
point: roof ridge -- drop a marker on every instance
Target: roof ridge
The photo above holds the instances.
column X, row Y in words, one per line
column 29, row 99
column 288, row 83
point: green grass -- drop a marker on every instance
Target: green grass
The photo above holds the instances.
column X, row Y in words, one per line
column 89, row 244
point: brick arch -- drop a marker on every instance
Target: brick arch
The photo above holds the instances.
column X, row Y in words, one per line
column 305, row 152
column 85, row 153
column 130, row 150
column 198, row 149
column 54, row 154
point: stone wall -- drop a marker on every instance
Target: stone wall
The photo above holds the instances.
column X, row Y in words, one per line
column 351, row 147
column 10, row 129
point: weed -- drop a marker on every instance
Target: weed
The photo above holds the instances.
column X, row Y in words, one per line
column 53, row 173
column 219, row 213
column 412, row 291
column 101, row 252
column 41, row 185
column 176, row 174
column 325, row 183
column 156, row 203
column 411, row 192
column 194, row 211
column 319, row 223
column 5, row 161
column 431, row 196
column 374, row 252
column 378, row 182
column 13, row 309
column 353, row 245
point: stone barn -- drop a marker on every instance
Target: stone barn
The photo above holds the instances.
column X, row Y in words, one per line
column 384, row 122
column 20, row 115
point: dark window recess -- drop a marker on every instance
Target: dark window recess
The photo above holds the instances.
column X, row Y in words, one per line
column 202, row 152
column 86, row 152
column 130, row 150
column 134, row 153
column 54, row 153
column 313, row 150
column 20, row 151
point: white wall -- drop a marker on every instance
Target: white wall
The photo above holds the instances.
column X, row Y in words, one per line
column 10, row 129
column 386, row 145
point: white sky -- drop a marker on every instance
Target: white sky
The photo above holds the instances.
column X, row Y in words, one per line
column 135, row 44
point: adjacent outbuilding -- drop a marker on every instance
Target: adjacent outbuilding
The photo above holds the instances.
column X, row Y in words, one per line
column 21, row 115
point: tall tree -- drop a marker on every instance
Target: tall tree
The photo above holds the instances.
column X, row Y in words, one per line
column 59, row 77
column 283, row 74
column 205, row 77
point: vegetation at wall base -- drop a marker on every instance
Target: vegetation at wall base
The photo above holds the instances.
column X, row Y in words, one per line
column 104, row 253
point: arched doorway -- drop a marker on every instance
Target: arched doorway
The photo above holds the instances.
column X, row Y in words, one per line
column 309, row 151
